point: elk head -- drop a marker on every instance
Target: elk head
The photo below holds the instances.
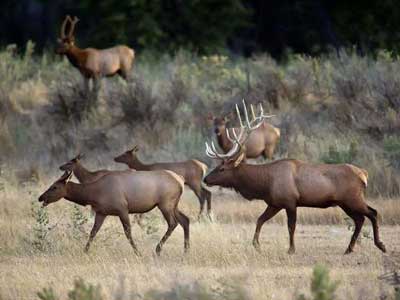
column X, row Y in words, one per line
column 219, row 123
column 223, row 173
column 57, row 190
column 67, row 41
column 127, row 156
column 69, row 166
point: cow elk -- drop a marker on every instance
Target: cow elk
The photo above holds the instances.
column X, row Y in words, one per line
column 261, row 142
column 120, row 193
column 290, row 183
column 81, row 173
column 192, row 171
column 94, row 63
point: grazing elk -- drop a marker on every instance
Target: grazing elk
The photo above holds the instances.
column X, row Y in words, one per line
column 94, row 63
column 120, row 193
column 261, row 141
column 192, row 171
column 80, row 172
column 290, row 183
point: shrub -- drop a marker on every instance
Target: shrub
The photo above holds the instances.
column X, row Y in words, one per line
column 322, row 288
column 41, row 227
column 391, row 146
column 336, row 156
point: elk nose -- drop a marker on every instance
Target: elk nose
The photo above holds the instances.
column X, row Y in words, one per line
column 41, row 198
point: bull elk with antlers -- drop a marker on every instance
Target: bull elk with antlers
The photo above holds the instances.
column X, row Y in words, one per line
column 94, row 63
column 290, row 183
column 262, row 141
column 120, row 193
column 192, row 171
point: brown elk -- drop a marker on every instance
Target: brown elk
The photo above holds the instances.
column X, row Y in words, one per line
column 120, row 193
column 94, row 63
column 81, row 173
column 261, row 141
column 192, row 171
column 290, row 183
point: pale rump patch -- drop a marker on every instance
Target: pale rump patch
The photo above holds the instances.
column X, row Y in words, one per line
column 363, row 174
column 178, row 178
column 277, row 131
column 203, row 166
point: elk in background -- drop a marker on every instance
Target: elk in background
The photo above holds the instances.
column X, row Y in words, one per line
column 191, row 170
column 94, row 63
column 290, row 183
column 261, row 141
column 80, row 172
column 120, row 193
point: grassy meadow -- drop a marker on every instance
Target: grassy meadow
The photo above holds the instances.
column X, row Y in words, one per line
column 332, row 109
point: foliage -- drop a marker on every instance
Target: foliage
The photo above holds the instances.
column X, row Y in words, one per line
column 41, row 227
column 322, row 288
column 79, row 219
column 391, row 146
column 335, row 156
column 80, row 291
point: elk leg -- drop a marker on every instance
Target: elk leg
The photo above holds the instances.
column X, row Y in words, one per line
column 183, row 220
column 373, row 216
column 98, row 221
column 172, row 223
column 207, row 195
column 291, row 218
column 358, row 222
column 127, row 230
column 198, row 192
column 265, row 216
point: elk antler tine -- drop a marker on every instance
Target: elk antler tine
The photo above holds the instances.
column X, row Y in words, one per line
column 209, row 151
column 261, row 110
column 64, row 23
column 239, row 117
column 228, row 135
column 252, row 111
column 246, row 115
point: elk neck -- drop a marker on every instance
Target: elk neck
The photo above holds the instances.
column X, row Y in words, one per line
column 81, row 172
column 79, row 194
column 76, row 56
column 136, row 164
column 251, row 181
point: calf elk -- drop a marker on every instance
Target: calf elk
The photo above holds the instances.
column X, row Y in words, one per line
column 120, row 193
column 94, row 63
column 261, row 141
column 290, row 183
column 192, row 171
column 80, row 172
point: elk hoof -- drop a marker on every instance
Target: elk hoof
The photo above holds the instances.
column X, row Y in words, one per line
column 158, row 250
column 291, row 250
column 381, row 246
column 257, row 246
column 348, row 251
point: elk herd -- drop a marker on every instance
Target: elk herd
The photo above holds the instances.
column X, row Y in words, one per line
column 283, row 184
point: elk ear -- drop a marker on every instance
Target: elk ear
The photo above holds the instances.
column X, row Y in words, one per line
column 65, row 177
column 80, row 156
column 135, row 148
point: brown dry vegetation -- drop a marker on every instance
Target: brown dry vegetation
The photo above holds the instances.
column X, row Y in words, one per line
column 221, row 251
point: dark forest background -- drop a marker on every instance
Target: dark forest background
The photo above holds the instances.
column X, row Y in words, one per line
column 209, row 26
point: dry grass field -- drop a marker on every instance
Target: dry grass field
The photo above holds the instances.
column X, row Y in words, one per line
column 221, row 255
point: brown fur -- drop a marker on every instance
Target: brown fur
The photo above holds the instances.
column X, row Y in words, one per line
column 261, row 141
column 95, row 63
column 288, row 184
column 81, row 173
column 192, row 171
column 120, row 193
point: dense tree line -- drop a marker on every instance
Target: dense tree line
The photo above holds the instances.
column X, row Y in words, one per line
column 206, row 26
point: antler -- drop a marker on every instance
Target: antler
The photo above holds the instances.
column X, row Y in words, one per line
column 67, row 18
column 245, row 128
column 72, row 28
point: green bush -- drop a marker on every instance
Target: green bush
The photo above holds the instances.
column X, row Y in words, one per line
column 391, row 146
column 336, row 156
column 322, row 288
